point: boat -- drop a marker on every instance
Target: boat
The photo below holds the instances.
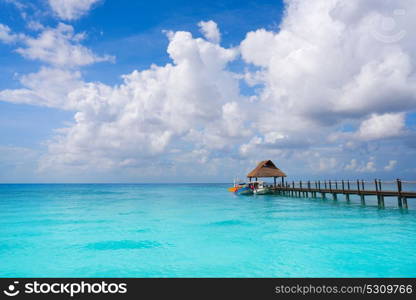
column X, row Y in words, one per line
column 260, row 188
column 241, row 188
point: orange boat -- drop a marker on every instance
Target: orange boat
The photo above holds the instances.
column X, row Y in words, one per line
column 241, row 189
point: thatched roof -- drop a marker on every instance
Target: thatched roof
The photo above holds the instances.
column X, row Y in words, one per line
column 266, row 169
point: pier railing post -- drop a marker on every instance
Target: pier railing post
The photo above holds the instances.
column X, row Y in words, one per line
column 362, row 192
column 381, row 193
column 399, row 190
column 402, row 201
column 330, row 185
column 293, row 188
column 348, row 187
column 298, row 191
column 302, row 192
column 377, row 193
column 319, row 187
column 334, row 194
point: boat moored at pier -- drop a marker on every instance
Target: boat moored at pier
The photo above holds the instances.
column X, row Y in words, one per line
column 260, row 188
column 241, row 188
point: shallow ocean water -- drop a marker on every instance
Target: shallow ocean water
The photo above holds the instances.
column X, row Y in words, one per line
column 197, row 230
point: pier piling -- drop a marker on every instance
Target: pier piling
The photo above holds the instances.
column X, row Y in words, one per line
column 377, row 193
column 399, row 190
column 362, row 199
column 405, row 203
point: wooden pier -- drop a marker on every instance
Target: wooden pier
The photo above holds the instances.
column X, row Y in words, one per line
column 360, row 188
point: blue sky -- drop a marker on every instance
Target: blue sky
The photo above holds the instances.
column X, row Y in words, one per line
column 141, row 91
column 138, row 26
column 130, row 30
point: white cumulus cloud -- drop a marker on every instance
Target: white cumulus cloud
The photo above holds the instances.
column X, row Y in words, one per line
column 193, row 103
column 363, row 167
column 391, row 165
column 6, row 35
column 47, row 87
column 382, row 126
column 325, row 68
column 210, row 31
column 71, row 9
column 60, row 46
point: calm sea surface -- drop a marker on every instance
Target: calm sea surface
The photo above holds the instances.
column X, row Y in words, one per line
column 197, row 230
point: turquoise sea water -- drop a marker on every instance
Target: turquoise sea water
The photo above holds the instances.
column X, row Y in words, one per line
column 197, row 230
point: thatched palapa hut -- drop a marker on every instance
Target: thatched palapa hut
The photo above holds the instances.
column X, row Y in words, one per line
column 267, row 168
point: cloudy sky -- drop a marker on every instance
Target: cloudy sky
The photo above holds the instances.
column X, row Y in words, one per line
column 199, row 91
